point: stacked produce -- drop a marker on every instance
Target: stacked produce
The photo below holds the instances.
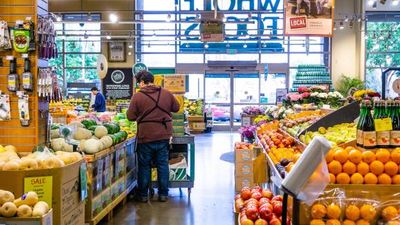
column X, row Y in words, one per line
column 40, row 159
column 243, row 146
column 316, row 95
column 295, row 123
column 194, row 107
column 126, row 125
column 91, row 137
column 26, row 206
column 338, row 134
column 259, row 206
column 353, row 166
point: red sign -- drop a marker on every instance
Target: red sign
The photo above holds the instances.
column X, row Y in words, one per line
column 298, row 22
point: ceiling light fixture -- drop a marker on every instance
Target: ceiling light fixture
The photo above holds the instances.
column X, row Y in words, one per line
column 371, row 2
column 351, row 24
column 89, row 17
column 154, row 34
column 395, row 2
column 168, row 18
column 113, row 18
column 130, row 46
column 224, row 19
column 346, row 19
column 244, row 45
column 341, row 25
column 108, row 37
column 129, row 53
column 359, row 19
column 206, row 45
column 264, row 45
column 59, row 18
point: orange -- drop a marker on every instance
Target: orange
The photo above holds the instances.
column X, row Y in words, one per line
column 368, row 157
column 333, row 211
column 362, row 222
column 394, row 222
column 357, row 178
column 377, row 167
column 389, row 213
column 343, row 178
column 363, row 168
column 332, row 178
column 335, row 167
column 383, row 155
column 341, row 156
column 391, row 168
column 333, row 222
column 355, row 156
column 350, row 148
column 317, row 222
column 395, row 156
column 352, row 212
column 348, row 222
column 329, row 156
column 384, row 179
column 349, row 168
column 396, row 179
column 368, row 212
column 318, row 211
column 370, row 178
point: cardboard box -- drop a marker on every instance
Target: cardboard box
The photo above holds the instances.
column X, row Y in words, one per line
column 244, row 155
column 45, row 220
column 65, row 190
column 241, row 182
column 197, row 125
column 244, row 169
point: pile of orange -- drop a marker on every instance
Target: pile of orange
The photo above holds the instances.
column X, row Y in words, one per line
column 321, row 213
column 352, row 166
column 391, row 214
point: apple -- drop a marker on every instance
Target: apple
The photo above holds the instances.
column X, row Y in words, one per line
column 239, row 204
column 246, row 221
column 268, row 205
column 256, row 189
column 252, row 213
column 275, row 221
column 263, row 200
column 261, row 222
column 267, row 194
column 252, row 201
column 256, row 195
column 277, row 198
column 245, row 194
column 237, row 196
column 277, row 208
column 265, row 213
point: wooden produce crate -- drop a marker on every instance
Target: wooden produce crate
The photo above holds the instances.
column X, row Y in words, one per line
column 195, row 118
column 44, row 220
column 68, row 207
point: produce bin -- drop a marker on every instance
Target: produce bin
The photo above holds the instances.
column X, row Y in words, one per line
column 44, row 220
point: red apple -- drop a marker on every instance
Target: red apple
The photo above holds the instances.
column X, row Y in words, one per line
column 275, row 221
column 252, row 201
column 277, row 198
column 239, row 204
column 252, row 213
column 245, row 193
column 256, row 195
column 268, row 205
column 263, row 201
column 265, row 213
column 277, row 208
column 261, row 222
column 256, row 189
column 246, row 221
column 267, row 194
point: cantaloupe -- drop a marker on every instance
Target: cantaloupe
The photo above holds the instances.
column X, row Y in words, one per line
column 82, row 133
column 8, row 209
column 40, row 209
column 6, row 196
column 100, row 131
column 30, row 199
column 24, row 211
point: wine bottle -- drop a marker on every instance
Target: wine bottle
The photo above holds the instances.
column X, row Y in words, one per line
column 360, row 123
column 395, row 133
column 368, row 128
column 382, row 136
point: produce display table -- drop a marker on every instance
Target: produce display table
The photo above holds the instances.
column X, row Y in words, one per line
column 112, row 176
column 184, row 144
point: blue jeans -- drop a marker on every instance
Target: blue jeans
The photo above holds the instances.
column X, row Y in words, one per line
column 156, row 152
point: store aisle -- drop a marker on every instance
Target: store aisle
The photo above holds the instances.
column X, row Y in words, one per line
column 211, row 198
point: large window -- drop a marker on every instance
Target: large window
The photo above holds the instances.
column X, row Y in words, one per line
column 382, row 47
column 78, row 50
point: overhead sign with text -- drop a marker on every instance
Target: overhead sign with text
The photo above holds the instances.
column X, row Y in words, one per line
column 309, row 17
column 118, row 84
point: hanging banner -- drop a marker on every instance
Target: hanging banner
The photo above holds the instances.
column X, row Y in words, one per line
column 309, row 17
column 175, row 83
column 118, row 84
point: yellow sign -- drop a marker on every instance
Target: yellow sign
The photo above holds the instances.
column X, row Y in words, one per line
column 384, row 124
column 43, row 186
column 175, row 83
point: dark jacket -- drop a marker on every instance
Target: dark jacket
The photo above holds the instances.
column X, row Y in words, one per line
column 99, row 103
column 150, row 127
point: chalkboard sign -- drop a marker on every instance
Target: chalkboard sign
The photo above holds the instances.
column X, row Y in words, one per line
column 118, row 84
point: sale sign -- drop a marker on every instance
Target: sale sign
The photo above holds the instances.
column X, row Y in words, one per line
column 43, row 186
column 309, row 17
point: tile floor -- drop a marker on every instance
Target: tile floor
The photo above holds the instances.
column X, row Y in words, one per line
column 211, row 199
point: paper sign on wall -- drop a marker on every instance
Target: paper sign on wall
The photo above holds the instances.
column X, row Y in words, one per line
column 175, row 83
column 43, row 186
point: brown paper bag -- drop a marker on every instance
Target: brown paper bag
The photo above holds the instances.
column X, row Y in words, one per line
column 260, row 169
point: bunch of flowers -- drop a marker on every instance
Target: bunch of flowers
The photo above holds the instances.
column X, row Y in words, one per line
column 253, row 110
column 361, row 94
column 248, row 132
column 315, row 95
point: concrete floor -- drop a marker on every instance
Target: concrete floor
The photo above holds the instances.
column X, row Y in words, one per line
column 211, row 198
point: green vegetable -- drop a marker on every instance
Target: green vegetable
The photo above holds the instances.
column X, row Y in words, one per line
column 89, row 123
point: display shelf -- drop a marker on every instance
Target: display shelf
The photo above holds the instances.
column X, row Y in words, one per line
column 181, row 140
column 311, row 75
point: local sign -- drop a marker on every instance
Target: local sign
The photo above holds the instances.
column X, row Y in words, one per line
column 138, row 67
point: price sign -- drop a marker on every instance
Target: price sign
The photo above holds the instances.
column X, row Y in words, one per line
column 43, row 186
column 384, row 124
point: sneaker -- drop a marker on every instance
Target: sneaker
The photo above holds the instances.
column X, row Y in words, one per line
column 141, row 199
column 163, row 198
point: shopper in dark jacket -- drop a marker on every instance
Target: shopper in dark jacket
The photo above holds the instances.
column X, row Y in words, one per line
column 100, row 102
column 151, row 107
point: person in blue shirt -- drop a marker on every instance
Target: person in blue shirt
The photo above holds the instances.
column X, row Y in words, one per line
column 100, row 102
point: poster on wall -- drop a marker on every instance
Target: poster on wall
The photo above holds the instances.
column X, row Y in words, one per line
column 175, row 83
column 309, row 17
column 118, row 84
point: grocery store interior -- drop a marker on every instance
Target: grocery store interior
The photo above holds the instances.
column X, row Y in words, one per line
column 189, row 112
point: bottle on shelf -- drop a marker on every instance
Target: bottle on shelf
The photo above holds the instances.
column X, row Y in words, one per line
column 395, row 133
column 382, row 112
column 368, row 128
column 360, row 123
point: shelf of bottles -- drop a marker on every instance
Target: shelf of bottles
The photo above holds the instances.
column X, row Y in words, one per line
column 379, row 124
column 311, row 75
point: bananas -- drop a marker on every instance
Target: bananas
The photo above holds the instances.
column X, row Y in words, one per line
column 181, row 101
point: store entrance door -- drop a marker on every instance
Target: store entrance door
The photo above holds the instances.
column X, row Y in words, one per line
column 226, row 93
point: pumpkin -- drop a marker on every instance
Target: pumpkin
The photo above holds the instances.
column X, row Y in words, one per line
column 100, row 131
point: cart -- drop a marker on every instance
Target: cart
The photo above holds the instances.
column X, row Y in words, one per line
column 182, row 144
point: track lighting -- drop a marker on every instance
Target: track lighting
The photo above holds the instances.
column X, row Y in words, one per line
column 206, row 45
column 113, row 18
column 341, row 25
column 168, row 18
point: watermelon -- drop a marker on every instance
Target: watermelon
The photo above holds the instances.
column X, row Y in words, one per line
column 54, row 126
column 89, row 123
column 112, row 128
